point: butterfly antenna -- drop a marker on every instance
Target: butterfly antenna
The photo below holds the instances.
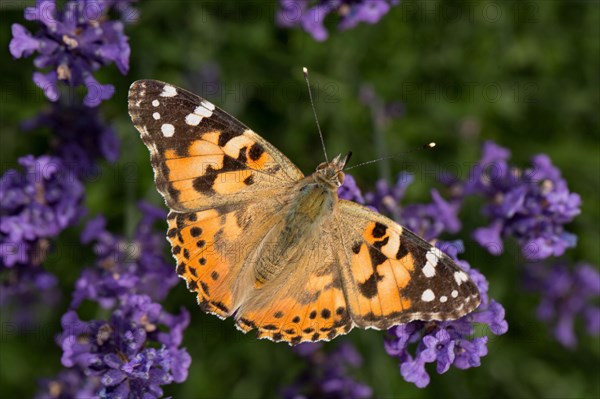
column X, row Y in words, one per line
column 424, row 147
column 312, row 104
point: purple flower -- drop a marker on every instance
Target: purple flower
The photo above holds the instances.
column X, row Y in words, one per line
column 567, row 294
column 431, row 220
column 326, row 374
column 446, row 342
column 531, row 205
column 311, row 18
column 386, row 199
column 80, row 137
column 72, row 44
column 369, row 11
column 35, row 206
column 28, row 295
column 125, row 267
column 350, row 191
column 131, row 354
column 68, row 384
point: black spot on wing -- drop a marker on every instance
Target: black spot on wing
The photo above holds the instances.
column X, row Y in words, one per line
column 220, row 305
column 242, row 155
column 204, row 287
column 247, row 323
column 270, row 327
column 402, row 250
column 379, row 230
column 256, row 151
column 249, row 180
column 231, row 164
column 376, row 256
column 369, row 287
column 195, row 231
column 204, row 184
column 227, row 135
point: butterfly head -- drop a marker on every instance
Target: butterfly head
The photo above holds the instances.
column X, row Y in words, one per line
column 332, row 173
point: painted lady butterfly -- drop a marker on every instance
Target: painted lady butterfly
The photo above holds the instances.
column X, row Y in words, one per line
column 278, row 251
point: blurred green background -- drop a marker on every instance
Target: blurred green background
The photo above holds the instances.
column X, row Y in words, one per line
column 521, row 73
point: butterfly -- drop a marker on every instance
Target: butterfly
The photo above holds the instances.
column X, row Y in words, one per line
column 278, row 251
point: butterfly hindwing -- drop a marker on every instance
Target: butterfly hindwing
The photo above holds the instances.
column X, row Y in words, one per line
column 211, row 247
column 304, row 305
column 391, row 276
column 203, row 157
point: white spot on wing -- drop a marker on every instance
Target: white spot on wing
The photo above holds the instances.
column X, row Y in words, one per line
column 443, row 298
column 167, row 129
column 168, row 91
column 193, row 119
column 427, row 296
column 156, row 115
column 454, row 294
column 432, row 260
column 155, row 103
column 202, row 111
column 436, row 251
column 428, row 270
column 208, row 105
column 460, row 277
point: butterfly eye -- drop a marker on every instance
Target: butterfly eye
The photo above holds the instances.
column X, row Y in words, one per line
column 341, row 176
column 322, row 166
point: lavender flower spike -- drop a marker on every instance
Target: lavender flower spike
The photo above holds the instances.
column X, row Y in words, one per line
column 326, row 374
column 446, row 343
column 72, row 44
column 531, row 205
column 80, row 137
column 36, row 206
column 125, row 266
column 118, row 351
column 351, row 12
column 567, row 294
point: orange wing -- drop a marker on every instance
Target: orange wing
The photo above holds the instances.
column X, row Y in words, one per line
column 304, row 305
column 211, row 247
column 203, row 157
column 391, row 276
column 221, row 181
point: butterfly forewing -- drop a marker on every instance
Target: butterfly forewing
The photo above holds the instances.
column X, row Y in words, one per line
column 392, row 276
column 202, row 157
